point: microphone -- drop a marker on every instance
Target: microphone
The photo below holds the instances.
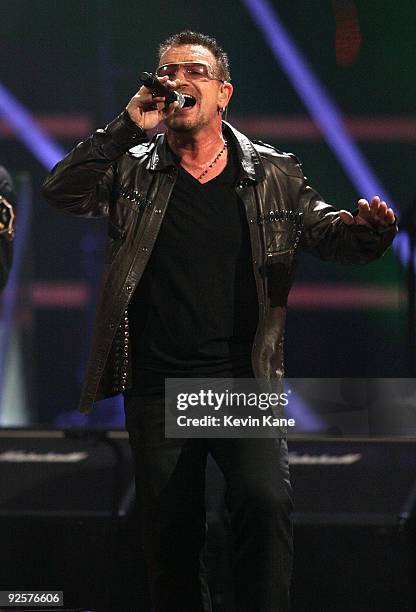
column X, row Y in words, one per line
column 159, row 89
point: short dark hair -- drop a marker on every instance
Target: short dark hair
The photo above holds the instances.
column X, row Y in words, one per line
column 187, row 37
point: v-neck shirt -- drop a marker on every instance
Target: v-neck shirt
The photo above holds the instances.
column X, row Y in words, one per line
column 195, row 310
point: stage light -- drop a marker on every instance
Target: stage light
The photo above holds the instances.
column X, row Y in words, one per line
column 29, row 132
column 323, row 110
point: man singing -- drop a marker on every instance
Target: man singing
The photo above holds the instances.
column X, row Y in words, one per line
column 204, row 226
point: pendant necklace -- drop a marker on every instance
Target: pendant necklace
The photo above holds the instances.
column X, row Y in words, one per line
column 214, row 161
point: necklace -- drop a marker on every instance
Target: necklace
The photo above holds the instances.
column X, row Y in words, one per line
column 214, row 161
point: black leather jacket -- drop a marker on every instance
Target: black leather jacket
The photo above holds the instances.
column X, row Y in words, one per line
column 107, row 175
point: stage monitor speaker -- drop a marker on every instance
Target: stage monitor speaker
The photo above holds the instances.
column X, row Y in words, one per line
column 354, row 520
column 67, row 522
column 67, row 517
column 354, row 527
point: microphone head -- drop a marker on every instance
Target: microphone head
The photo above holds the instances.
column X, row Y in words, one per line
column 181, row 99
column 185, row 100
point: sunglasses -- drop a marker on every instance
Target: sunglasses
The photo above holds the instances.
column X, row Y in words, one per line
column 194, row 71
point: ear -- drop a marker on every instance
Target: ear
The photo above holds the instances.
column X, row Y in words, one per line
column 225, row 93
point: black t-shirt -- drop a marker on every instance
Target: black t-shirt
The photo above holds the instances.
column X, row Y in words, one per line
column 195, row 310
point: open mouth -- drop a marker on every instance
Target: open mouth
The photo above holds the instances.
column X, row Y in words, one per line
column 189, row 100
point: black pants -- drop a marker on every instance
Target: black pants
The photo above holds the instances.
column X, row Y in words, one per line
column 170, row 490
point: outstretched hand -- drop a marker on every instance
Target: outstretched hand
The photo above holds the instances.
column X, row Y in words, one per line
column 376, row 214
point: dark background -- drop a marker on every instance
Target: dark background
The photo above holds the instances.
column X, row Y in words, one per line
column 82, row 58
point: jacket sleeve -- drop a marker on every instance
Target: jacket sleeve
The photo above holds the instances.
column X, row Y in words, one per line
column 83, row 182
column 328, row 237
column 6, row 243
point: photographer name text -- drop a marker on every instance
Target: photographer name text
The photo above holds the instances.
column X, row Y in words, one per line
column 232, row 421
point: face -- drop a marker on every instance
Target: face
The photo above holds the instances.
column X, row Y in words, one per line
column 208, row 93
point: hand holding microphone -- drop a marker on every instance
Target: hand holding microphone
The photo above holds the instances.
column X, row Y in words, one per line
column 159, row 89
column 155, row 101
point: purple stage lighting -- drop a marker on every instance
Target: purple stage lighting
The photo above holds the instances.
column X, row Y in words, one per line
column 321, row 107
column 28, row 131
